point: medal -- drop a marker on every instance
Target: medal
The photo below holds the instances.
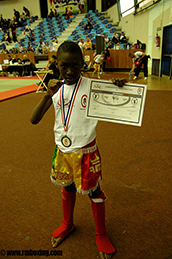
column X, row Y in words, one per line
column 65, row 140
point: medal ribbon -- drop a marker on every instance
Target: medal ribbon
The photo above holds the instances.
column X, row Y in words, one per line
column 65, row 120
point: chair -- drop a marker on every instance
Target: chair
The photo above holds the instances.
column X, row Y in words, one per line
column 99, row 22
column 109, row 25
column 70, row 37
column 106, row 30
column 105, row 21
column 102, row 26
column 99, row 31
column 102, row 17
column 112, row 30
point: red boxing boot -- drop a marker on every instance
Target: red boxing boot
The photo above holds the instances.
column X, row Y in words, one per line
column 105, row 248
column 67, row 226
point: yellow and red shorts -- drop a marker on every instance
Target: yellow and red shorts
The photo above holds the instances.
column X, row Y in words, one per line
column 83, row 167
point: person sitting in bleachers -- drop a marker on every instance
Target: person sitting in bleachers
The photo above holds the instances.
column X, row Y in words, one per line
column 122, row 38
column 54, row 43
column 115, row 38
column 88, row 44
column 82, row 44
column 51, row 14
column 47, row 48
column 29, row 48
column 5, row 51
column 106, row 39
column 20, row 48
column 66, row 14
column 88, row 25
column 70, row 13
column 40, row 47
column 56, row 14
column 17, row 16
column 27, row 12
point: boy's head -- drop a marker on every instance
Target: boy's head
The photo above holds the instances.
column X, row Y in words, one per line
column 70, row 61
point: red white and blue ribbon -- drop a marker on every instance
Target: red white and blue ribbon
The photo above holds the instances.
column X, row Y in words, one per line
column 65, row 119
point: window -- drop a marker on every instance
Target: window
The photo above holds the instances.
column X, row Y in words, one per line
column 144, row 2
column 125, row 5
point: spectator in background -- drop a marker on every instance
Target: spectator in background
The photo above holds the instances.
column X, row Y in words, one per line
column 81, row 6
column 29, row 48
column 47, row 48
column 115, row 38
column 17, row 15
column 51, row 14
column 82, row 44
column 1, row 21
column 27, row 12
column 40, row 47
column 88, row 44
column 54, row 43
column 51, row 65
column 22, row 18
column 70, row 13
column 88, row 25
column 20, row 48
column 122, row 38
column 4, row 51
column 30, row 35
column 66, row 14
column 106, row 40
column 28, row 70
column 56, row 13
column 14, row 31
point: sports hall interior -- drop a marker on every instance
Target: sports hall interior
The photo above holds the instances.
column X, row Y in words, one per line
column 136, row 160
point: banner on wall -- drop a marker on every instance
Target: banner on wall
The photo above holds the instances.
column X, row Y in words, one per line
column 60, row 5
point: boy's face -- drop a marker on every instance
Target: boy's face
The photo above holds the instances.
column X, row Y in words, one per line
column 69, row 65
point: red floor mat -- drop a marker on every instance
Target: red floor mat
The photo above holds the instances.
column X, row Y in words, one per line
column 17, row 92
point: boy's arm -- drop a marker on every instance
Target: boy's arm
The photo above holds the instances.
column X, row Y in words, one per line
column 41, row 108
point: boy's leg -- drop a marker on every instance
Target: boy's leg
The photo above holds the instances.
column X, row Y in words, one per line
column 68, row 204
column 103, row 243
column 145, row 62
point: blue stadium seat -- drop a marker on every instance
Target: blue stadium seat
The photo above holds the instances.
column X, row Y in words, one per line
column 102, row 17
column 112, row 30
column 106, row 30
column 102, row 26
column 109, row 25
column 99, row 22
column 105, row 21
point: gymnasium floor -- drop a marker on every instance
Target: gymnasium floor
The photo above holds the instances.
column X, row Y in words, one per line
column 153, row 82
column 137, row 179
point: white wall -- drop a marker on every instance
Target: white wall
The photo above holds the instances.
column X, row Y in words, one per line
column 143, row 26
column 99, row 5
column 6, row 7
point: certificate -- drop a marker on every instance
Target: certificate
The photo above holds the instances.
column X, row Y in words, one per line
column 109, row 102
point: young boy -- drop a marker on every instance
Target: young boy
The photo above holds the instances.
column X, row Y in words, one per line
column 76, row 162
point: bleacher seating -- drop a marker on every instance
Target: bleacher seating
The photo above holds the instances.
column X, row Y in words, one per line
column 48, row 29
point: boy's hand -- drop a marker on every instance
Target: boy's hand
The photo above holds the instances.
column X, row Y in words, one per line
column 119, row 81
column 53, row 86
